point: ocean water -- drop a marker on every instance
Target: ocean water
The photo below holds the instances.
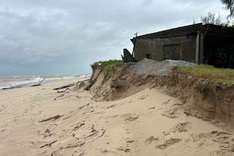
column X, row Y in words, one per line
column 10, row 82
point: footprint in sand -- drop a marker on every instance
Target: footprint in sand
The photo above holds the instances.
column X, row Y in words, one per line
column 78, row 126
column 151, row 108
column 130, row 117
column 79, row 144
column 171, row 113
column 181, row 127
column 48, row 132
column 168, row 143
column 143, row 97
column 164, row 103
column 62, row 95
column 110, row 106
column 126, row 150
column 104, row 151
column 130, row 141
column 224, row 139
column 151, row 139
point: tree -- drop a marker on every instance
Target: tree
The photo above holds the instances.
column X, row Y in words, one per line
column 229, row 6
column 211, row 19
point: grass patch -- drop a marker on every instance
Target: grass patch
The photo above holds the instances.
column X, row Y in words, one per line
column 218, row 75
column 110, row 63
column 108, row 66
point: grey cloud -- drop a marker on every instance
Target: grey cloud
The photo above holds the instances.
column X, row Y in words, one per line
column 43, row 37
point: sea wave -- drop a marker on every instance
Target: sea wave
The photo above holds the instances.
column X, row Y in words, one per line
column 21, row 81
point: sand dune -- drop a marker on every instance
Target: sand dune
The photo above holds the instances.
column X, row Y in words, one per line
column 42, row 121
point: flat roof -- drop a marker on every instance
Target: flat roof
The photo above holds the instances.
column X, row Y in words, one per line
column 208, row 30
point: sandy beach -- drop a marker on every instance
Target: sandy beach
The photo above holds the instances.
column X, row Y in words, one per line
column 37, row 121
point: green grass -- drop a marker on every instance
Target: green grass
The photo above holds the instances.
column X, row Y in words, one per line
column 108, row 66
column 110, row 63
column 218, row 75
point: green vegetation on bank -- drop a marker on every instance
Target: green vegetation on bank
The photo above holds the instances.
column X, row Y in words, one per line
column 108, row 66
column 109, row 63
column 218, row 75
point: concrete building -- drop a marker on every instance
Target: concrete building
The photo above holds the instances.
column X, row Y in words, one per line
column 198, row 43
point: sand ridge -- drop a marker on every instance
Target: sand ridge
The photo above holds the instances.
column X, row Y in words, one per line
column 42, row 121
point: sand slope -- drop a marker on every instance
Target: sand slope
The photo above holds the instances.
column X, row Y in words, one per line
column 41, row 121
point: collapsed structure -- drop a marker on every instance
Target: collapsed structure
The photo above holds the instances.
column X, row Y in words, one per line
column 197, row 43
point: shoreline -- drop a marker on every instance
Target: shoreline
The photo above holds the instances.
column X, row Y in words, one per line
column 14, row 82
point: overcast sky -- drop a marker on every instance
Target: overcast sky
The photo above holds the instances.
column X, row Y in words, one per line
column 44, row 37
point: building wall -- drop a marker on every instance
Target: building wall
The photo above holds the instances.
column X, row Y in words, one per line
column 182, row 48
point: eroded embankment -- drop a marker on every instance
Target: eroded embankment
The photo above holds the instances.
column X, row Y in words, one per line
column 201, row 97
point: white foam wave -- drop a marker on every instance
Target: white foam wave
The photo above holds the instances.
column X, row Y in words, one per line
column 19, row 81
column 25, row 82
